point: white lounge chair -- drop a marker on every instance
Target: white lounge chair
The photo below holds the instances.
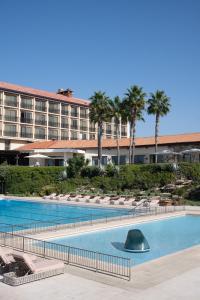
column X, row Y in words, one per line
column 49, row 196
column 104, row 200
column 6, row 257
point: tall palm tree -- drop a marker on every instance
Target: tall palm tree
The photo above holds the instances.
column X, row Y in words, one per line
column 133, row 107
column 100, row 112
column 116, row 114
column 158, row 105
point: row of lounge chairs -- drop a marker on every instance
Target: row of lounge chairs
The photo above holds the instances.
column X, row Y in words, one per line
column 109, row 200
column 18, row 268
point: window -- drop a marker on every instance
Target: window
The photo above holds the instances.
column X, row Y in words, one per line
column 26, row 117
column 74, row 135
column 108, row 129
column 122, row 160
column 83, row 136
column 26, row 132
column 40, row 133
column 139, row 159
column 64, row 135
column 40, row 105
column 74, row 111
column 10, row 100
column 53, row 134
column 64, row 109
column 92, row 127
column 83, row 125
column 64, row 123
column 54, row 107
column 10, row 115
column 40, row 119
column 104, row 160
column 92, row 136
column 26, row 103
column 10, row 130
column 53, row 121
column 74, row 123
column 83, row 112
column 123, row 131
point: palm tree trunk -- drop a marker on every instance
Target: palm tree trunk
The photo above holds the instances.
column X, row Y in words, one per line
column 133, row 139
column 118, row 150
column 100, row 131
column 156, row 137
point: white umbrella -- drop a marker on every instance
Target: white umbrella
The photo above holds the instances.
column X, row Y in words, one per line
column 167, row 152
column 37, row 155
column 194, row 150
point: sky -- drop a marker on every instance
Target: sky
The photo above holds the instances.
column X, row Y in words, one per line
column 107, row 45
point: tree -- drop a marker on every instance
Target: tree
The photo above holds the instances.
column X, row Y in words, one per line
column 116, row 114
column 100, row 112
column 158, row 105
column 132, row 108
column 75, row 165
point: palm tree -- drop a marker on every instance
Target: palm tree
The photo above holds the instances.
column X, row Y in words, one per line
column 100, row 112
column 116, row 114
column 158, row 105
column 133, row 107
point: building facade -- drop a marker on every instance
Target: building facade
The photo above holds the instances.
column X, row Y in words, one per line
column 58, row 152
column 28, row 115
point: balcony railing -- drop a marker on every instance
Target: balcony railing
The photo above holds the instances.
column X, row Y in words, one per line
column 10, row 133
column 40, row 107
column 84, row 116
column 63, row 137
column 54, row 110
column 26, row 135
column 40, row 136
column 40, row 122
column 64, row 112
column 64, row 125
column 92, row 129
column 74, row 126
column 53, row 137
column 53, row 124
column 12, row 103
column 26, row 106
column 84, row 128
column 108, row 131
column 27, row 120
column 74, row 114
column 10, row 118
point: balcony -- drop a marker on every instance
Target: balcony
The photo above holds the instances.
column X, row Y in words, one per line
column 84, row 115
column 26, row 106
column 54, row 110
column 40, row 107
column 10, row 118
column 40, row 122
column 53, row 124
column 74, row 114
column 10, row 133
column 64, row 112
column 40, row 136
column 26, row 135
column 92, row 129
column 63, row 137
column 108, row 131
column 27, row 120
column 83, row 128
column 74, row 126
column 64, row 125
column 12, row 103
column 53, row 136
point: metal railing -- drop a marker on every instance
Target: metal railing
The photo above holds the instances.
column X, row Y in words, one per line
column 37, row 226
column 95, row 261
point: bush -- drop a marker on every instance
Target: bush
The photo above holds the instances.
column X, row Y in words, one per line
column 194, row 194
column 190, row 171
column 91, row 171
column 75, row 166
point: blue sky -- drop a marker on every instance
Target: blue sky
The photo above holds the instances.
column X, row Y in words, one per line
column 107, row 45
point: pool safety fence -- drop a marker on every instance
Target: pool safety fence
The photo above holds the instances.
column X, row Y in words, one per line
column 50, row 226
column 95, row 261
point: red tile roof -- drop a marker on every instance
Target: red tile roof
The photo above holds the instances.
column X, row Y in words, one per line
column 39, row 93
column 111, row 143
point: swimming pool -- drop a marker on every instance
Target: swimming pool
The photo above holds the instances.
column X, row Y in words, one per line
column 30, row 212
column 165, row 237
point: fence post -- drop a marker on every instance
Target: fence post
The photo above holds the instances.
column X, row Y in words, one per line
column 129, row 270
column 44, row 249
column 68, row 255
column 23, row 243
column 97, row 256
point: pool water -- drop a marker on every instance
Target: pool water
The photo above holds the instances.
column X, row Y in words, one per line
column 27, row 212
column 165, row 237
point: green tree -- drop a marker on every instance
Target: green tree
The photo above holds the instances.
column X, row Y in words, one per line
column 158, row 105
column 100, row 112
column 75, row 165
column 132, row 108
column 116, row 114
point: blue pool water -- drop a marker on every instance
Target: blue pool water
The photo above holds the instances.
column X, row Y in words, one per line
column 164, row 237
column 27, row 212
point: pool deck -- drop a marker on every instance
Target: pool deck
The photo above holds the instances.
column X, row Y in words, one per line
column 175, row 276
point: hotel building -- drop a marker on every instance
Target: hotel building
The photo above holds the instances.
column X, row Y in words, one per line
column 28, row 115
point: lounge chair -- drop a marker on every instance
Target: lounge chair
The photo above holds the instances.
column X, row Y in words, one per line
column 103, row 200
column 93, row 200
column 32, row 268
column 49, row 196
column 6, row 259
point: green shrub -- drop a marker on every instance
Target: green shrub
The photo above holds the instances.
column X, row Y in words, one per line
column 190, row 171
column 75, row 166
column 91, row 171
column 194, row 194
